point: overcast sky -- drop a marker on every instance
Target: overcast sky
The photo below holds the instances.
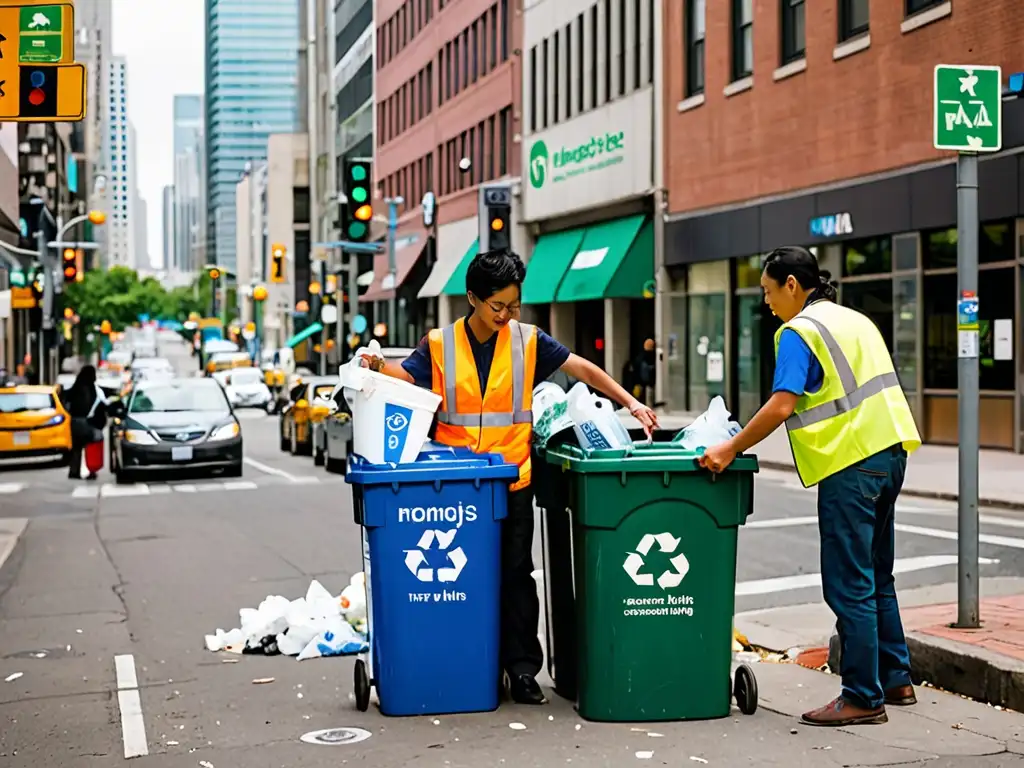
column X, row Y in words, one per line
column 163, row 42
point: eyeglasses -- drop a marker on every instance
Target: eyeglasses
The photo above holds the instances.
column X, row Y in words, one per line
column 498, row 309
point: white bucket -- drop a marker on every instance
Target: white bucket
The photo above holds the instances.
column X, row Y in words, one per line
column 390, row 418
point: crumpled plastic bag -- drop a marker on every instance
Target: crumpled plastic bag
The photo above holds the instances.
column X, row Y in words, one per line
column 594, row 420
column 336, row 638
column 232, row 642
column 353, row 602
column 270, row 618
column 550, row 412
column 710, row 428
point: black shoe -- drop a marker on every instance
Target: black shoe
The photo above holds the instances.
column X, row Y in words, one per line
column 92, row 476
column 524, row 690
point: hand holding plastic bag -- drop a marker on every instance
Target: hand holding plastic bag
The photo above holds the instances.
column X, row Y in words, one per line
column 710, row 428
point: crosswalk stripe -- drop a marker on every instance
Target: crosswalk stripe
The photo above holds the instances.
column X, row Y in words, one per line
column 109, row 490
column 11, row 488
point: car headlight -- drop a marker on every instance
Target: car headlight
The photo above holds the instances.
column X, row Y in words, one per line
column 53, row 422
column 226, row 432
column 139, row 437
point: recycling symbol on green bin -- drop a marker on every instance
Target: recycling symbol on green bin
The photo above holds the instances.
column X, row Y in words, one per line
column 668, row 544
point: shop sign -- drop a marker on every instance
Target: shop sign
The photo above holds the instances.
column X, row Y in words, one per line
column 22, row 298
column 597, row 158
column 833, row 225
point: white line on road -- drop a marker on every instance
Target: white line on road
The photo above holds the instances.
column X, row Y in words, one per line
column 808, row 580
column 275, row 471
column 984, row 538
column 11, row 530
column 6, row 488
column 781, row 522
column 133, row 726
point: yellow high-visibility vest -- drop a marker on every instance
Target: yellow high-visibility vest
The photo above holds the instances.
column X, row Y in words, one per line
column 860, row 408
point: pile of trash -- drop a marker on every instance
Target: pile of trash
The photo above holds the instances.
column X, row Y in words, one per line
column 318, row 624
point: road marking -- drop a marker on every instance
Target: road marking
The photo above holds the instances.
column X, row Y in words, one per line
column 10, row 531
column 142, row 489
column 781, row 522
column 809, row 580
column 984, row 538
column 275, row 471
column 11, row 488
column 240, row 485
column 113, row 491
column 133, row 726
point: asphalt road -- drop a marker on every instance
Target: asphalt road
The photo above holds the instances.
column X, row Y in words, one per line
column 146, row 571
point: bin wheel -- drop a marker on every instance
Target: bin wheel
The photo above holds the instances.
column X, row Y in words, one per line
column 362, row 686
column 745, row 690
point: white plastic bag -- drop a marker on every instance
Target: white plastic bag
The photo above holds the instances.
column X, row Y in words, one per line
column 337, row 638
column 594, row 420
column 710, row 428
column 550, row 412
column 352, row 375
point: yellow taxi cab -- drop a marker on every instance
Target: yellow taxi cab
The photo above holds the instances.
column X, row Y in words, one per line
column 225, row 361
column 297, row 417
column 33, row 422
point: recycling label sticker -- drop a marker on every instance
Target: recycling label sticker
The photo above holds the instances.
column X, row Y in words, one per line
column 396, row 429
column 436, row 559
column 652, row 597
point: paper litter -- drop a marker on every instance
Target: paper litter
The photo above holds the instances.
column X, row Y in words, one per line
column 318, row 624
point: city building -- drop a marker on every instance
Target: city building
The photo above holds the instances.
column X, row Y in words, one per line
column 590, row 133
column 318, row 121
column 352, row 81
column 167, row 228
column 814, row 127
column 251, row 74
column 188, row 220
column 120, row 183
column 447, row 90
column 141, row 227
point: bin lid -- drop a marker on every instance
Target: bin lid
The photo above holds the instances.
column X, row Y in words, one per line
column 640, row 457
column 431, row 466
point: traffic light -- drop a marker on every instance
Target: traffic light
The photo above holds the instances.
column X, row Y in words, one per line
column 70, row 265
column 50, row 93
column 357, row 214
column 277, row 270
column 214, row 273
column 495, row 217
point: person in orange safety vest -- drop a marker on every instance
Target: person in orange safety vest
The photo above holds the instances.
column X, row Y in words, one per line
column 485, row 367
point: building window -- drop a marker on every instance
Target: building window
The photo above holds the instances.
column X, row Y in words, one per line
column 742, row 39
column 622, row 48
column 916, row 6
column 533, row 89
column 475, row 43
column 608, row 50
column 430, row 87
column 593, row 57
column 494, row 37
column 638, row 47
column 544, row 84
column 853, row 18
column 490, row 147
column 482, row 24
column 568, row 70
column 556, row 79
column 579, row 64
column 503, row 127
column 456, row 66
column 693, row 34
column 465, row 58
column 505, row 22
column 793, row 35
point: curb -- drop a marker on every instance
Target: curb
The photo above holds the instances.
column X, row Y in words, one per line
column 920, row 494
column 975, row 672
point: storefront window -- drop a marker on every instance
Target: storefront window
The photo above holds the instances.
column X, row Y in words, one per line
column 749, row 343
column 705, row 344
column 995, row 243
column 874, row 299
column 748, row 272
column 675, row 354
column 996, row 319
column 867, row 257
column 904, row 343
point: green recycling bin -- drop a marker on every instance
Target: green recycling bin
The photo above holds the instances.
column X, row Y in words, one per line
column 654, row 544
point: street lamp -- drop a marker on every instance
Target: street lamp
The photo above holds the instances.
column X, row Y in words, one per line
column 259, row 295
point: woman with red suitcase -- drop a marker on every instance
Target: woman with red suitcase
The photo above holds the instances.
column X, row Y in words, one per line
column 87, row 406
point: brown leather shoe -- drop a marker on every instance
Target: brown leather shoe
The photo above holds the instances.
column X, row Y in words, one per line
column 841, row 713
column 903, row 696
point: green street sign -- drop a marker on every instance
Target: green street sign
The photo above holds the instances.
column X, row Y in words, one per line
column 42, row 34
column 968, row 115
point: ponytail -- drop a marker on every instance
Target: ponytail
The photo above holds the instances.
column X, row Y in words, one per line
column 827, row 290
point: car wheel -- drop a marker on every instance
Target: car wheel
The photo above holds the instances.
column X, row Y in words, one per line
column 122, row 478
column 318, row 457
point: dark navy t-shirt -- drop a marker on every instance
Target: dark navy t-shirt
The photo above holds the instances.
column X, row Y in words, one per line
column 797, row 369
column 551, row 355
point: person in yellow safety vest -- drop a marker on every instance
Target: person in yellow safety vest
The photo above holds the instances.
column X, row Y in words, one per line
column 850, row 429
column 485, row 367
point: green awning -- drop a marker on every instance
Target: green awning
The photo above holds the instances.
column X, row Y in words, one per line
column 304, row 334
column 551, row 257
column 614, row 261
column 456, row 285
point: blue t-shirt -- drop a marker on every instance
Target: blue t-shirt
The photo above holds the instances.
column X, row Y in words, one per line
column 797, row 369
column 551, row 355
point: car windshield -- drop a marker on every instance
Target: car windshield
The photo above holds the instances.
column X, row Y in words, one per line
column 19, row 402
column 244, row 377
column 178, row 396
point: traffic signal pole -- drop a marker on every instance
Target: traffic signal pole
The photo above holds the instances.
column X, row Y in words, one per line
column 393, row 203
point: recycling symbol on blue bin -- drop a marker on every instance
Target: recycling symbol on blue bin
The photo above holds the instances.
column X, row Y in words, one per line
column 667, row 543
column 416, row 559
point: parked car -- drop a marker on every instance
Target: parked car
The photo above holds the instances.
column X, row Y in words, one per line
column 333, row 439
column 33, row 422
column 173, row 424
column 245, row 388
column 296, row 421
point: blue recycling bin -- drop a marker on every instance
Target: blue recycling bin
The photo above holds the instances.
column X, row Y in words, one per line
column 431, row 535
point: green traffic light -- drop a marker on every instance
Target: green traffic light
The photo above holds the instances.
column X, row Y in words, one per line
column 359, row 194
column 358, row 173
column 356, row 230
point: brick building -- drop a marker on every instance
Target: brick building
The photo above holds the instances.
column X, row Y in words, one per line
column 810, row 123
column 447, row 92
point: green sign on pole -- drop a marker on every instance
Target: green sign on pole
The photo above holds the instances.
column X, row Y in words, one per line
column 968, row 108
column 42, row 34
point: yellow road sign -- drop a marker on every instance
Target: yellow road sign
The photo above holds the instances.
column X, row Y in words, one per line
column 39, row 81
column 38, row 33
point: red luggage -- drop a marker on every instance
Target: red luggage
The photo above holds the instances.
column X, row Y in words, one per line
column 94, row 457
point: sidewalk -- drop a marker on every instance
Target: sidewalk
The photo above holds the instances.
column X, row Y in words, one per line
column 986, row 664
column 931, row 473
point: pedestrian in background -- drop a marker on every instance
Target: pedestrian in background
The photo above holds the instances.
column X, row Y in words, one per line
column 851, row 429
column 86, row 404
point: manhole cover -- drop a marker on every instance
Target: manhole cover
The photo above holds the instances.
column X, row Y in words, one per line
column 333, row 737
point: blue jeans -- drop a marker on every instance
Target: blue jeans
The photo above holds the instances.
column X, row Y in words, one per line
column 856, row 517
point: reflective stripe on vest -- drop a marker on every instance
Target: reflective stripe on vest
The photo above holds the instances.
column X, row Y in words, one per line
column 853, row 395
column 480, row 420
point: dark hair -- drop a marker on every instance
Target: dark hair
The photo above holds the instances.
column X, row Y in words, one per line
column 492, row 271
column 803, row 266
column 86, row 377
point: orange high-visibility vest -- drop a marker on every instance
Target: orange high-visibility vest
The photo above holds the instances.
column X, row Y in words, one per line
column 499, row 420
